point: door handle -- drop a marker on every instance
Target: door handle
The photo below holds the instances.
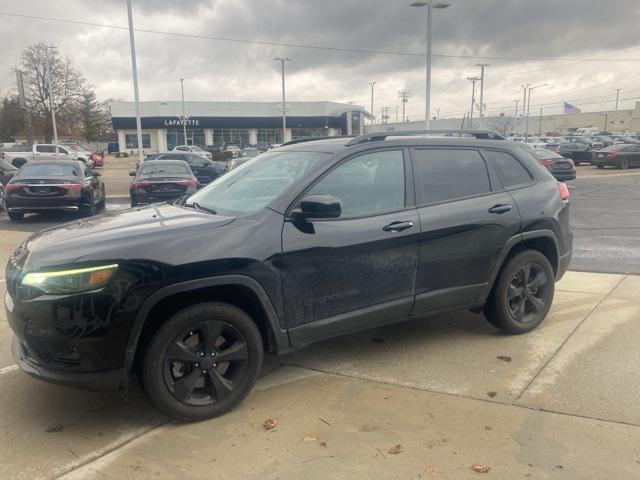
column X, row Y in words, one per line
column 397, row 226
column 499, row 209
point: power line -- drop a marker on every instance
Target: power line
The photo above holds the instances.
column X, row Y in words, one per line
column 314, row 47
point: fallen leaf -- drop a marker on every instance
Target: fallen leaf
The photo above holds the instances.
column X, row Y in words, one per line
column 310, row 439
column 431, row 471
column 56, row 427
column 504, row 358
column 323, row 444
column 478, row 467
column 396, row 449
column 269, row 424
column 492, row 394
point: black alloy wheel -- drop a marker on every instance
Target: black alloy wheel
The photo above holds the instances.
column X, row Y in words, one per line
column 624, row 163
column 202, row 361
column 522, row 295
column 203, row 364
column 527, row 293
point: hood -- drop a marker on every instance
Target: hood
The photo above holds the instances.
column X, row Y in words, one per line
column 141, row 234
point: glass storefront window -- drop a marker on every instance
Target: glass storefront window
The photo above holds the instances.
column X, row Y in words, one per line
column 131, row 140
column 226, row 135
column 269, row 136
column 309, row 132
column 175, row 137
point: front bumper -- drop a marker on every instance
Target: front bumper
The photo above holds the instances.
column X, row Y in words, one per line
column 98, row 381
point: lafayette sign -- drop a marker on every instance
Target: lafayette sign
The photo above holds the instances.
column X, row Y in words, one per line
column 179, row 123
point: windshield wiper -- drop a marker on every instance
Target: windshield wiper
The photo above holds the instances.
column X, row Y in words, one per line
column 197, row 206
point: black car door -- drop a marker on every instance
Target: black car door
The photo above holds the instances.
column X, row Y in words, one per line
column 633, row 153
column 466, row 217
column 357, row 270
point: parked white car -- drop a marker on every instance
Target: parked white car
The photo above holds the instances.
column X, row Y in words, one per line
column 21, row 155
column 193, row 149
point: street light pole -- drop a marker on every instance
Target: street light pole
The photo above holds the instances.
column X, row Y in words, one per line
column 524, row 103
column 430, row 4
column 526, row 133
column 51, row 104
column 136, row 92
column 482, row 65
column 184, row 115
column 373, row 120
column 473, row 99
column 284, row 105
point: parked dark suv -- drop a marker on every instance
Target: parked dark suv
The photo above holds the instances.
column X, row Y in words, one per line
column 302, row 243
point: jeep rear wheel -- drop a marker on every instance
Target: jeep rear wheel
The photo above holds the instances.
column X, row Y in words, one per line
column 523, row 293
column 203, row 361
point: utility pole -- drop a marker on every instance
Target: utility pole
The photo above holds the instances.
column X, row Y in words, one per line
column 524, row 104
column 482, row 65
column 51, row 102
column 615, row 117
column 184, row 115
column 397, row 106
column 373, row 120
column 136, row 92
column 526, row 130
column 473, row 98
column 438, row 114
column 284, row 106
column 404, row 98
column 385, row 114
column 515, row 122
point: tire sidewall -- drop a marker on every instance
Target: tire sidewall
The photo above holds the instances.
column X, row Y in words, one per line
column 500, row 311
column 153, row 364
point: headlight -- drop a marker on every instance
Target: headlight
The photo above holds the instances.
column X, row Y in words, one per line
column 70, row 281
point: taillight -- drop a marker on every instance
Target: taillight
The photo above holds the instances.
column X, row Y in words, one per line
column 564, row 191
column 142, row 184
column 556, row 149
column 73, row 187
column 547, row 162
column 13, row 186
column 188, row 183
column 612, row 154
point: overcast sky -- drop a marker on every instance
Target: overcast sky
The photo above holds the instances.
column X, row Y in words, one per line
column 575, row 30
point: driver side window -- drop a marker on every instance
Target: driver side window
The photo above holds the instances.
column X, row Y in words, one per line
column 367, row 185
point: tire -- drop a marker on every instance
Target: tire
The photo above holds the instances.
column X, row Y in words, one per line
column 15, row 216
column 600, row 166
column 623, row 164
column 90, row 210
column 530, row 304
column 3, row 203
column 102, row 204
column 219, row 386
column 134, row 202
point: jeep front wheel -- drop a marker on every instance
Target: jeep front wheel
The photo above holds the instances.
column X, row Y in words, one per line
column 203, row 361
column 523, row 293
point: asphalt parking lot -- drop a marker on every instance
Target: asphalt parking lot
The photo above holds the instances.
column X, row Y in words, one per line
column 561, row 402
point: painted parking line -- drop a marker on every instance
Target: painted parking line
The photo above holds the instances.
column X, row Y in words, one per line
column 8, row 369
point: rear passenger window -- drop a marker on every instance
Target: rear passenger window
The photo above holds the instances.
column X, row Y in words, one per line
column 509, row 169
column 447, row 175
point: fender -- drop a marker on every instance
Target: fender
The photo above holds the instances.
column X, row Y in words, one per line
column 281, row 337
column 506, row 248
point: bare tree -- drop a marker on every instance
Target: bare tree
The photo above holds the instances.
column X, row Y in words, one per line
column 501, row 124
column 67, row 84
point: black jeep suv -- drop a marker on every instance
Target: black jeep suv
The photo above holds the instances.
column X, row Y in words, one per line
column 302, row 243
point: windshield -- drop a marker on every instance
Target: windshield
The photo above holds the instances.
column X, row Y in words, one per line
column 544, row 154
column 533, row 139
column 48, row 170
column 195, row 148
column 257, row 182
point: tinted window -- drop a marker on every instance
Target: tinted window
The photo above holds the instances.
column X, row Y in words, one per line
column 48, row 170
column 6, row 166
column 173, row 156
column 195, row 160
column 509, row 169
column 366, row 185
column 165, row 168
column 446, row 175
column 45, row 148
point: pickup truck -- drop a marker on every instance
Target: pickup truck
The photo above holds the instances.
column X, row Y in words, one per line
column 19, row 155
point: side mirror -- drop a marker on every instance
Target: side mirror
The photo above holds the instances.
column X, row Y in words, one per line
column 97, row 174
column 132, row 173
column 318, row 206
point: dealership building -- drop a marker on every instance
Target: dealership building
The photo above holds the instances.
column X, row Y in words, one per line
column 214, row 123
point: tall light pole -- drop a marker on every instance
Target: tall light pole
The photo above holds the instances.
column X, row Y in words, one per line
column 515, row 122
column 473, row 99
column 52, row 107
column 430, row 4
column 284, row 105
column 373, row 120
column 184, row 114
column 136, row 92
column 482, row 65
column 524, row 103
column 615, row 117
column 526, row 130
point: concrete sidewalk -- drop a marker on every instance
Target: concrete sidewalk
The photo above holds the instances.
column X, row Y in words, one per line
column 560, row 402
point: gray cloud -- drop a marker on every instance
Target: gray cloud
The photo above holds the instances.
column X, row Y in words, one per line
column 226, row 71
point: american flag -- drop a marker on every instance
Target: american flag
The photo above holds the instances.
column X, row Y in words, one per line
column 568, row 108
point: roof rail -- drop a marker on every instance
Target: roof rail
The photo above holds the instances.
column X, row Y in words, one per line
column 382, row 136
column 313, row 139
